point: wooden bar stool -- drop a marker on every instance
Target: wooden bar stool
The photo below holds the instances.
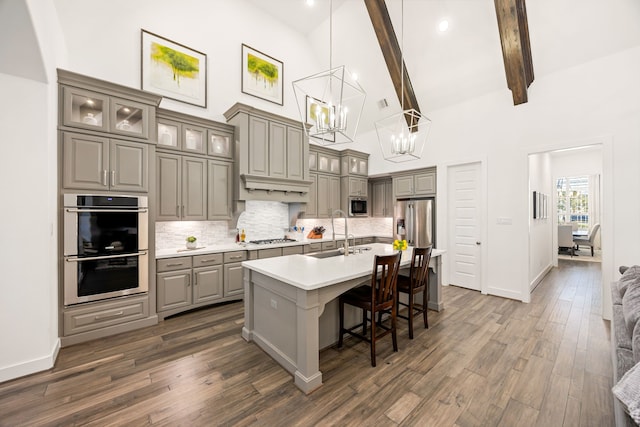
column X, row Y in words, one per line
column 418, row 281
column 380, row 296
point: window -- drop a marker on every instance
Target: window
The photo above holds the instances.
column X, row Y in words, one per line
column 573, row 201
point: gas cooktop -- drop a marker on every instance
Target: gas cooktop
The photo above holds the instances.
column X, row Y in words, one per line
column 272, row 241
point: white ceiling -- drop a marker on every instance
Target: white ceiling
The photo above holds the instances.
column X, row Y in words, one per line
column 466, row 61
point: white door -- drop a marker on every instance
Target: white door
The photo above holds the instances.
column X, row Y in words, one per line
column 464, row 197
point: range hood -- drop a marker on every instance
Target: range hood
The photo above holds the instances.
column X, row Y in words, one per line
column 271, row 155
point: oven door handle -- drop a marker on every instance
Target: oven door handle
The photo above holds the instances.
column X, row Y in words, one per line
column 140, row 210
column 94, row 258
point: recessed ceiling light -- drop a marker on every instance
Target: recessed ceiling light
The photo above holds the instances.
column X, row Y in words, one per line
column 443, row 25
column 354, row 76
column 310, row 2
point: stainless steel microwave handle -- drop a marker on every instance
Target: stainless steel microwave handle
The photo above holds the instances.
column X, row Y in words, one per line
column 140, row 210
column 94, row 258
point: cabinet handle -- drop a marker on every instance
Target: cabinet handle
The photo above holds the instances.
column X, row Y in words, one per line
column 182, row 211
column 107, row 316
column 174, row 264
column 207, row 260
column 188, row 281
column 113, row 178
column 235, row 257
column 104, row 177
column 195, row 280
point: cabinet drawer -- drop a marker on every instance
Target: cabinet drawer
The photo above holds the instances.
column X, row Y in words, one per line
column 235, row 256
column 269, row 253
column 329, row 245
column 313, row 247
column 368, row 240
column 207, row 260
column 108, row 314
column 291, row 250
column 384, row 239
column 170, row 264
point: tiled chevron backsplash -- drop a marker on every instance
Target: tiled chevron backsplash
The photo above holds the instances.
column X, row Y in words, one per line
column 260, row 220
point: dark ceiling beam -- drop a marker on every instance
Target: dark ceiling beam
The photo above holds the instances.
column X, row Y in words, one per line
column 392, row 53
column 516, row 49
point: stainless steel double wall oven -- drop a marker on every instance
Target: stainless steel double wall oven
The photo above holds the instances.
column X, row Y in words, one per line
column 106, row 242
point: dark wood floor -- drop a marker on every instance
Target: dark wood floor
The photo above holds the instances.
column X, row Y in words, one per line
column 484, row 361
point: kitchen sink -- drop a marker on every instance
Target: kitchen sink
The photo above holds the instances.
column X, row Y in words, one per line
column 326, row 254
column 338, row 252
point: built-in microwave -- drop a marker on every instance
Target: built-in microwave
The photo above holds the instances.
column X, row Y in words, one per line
column 357, row 206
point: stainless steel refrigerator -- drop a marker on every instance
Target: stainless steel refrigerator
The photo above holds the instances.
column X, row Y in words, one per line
column 414, row 221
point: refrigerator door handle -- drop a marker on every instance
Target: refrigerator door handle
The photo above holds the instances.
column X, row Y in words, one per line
column 410, row 224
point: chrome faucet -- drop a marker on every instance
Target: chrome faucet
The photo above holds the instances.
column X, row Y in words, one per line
column 346, row 230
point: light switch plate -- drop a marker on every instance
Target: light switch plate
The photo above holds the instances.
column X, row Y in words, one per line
column 504, row 221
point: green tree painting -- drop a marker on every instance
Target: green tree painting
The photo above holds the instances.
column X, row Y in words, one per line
column 262, row 70
column 182, row 65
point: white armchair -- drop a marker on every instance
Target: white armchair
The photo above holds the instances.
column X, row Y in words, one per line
column 565, row 238
column 589, row 241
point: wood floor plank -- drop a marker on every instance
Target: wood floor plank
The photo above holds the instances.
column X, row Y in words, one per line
column 483, row 361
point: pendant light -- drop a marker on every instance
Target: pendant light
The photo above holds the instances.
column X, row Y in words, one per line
column 403, row 136
column 330, row 103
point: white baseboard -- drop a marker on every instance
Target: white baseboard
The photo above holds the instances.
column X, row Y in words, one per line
column 536, row 281
column 31, row 366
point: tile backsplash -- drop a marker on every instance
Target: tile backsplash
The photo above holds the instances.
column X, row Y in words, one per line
column 261, row 220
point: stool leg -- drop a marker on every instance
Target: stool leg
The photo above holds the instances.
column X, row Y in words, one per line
column 410, row 314
column 341, row 309
column 373, row 341
column 425, row 301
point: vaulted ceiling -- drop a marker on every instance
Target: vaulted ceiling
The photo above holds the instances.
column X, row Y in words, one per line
column 466, row 61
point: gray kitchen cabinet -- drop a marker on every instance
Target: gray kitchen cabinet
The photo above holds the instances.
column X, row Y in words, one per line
column 327, row 246
column 258, row 146
column 207, row 284
column 194, row 135
column 85, row 109
column 84, row 318
column 313, row 161
column 97, row 163
column 233, row 279
column 382, row 198
column 129, row 118
column 328, row 162
column 173, row 289
column 312, row 247
column 220, row 178
column 189, row 282
column 417, row 184
column 269, row 253
column 181, row 187
column 271, row 155
column 328, row 195
column 356, row 187
column 292, row 250
column 312, row 205
column 354, row 163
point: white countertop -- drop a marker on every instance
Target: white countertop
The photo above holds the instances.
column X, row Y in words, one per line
column 177, row 252
column 310, row 273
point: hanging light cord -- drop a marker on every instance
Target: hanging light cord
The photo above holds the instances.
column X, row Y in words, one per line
column 402, row 55
column 330, row 33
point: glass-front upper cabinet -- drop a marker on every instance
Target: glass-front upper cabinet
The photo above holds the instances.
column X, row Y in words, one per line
column 219, row 144
column 193, row 139
column 85, row 109
column 168, row 133
column 129, row 118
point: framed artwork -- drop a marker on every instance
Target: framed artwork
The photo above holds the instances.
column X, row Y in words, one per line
column 318, row 114
column 262, row 75
column 173, row 70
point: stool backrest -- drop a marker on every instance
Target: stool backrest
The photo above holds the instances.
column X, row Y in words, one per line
column 384, row 279
column 419, row 272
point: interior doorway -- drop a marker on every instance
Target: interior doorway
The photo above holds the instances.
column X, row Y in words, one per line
column 572, row 180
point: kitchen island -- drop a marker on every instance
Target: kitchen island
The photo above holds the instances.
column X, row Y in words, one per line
column 291, row 311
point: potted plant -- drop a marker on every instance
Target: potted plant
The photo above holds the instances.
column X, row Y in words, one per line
column 191, row 242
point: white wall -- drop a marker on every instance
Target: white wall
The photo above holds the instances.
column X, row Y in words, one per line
column 594, row 103
column 540, row 229
column 100, row 49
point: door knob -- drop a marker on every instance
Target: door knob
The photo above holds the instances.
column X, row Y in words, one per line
column 478, row 243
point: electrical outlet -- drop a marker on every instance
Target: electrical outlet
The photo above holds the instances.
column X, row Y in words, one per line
column 274, row 304
column 504, row 221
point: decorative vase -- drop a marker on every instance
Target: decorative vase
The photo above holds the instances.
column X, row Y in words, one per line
column 191, row 245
